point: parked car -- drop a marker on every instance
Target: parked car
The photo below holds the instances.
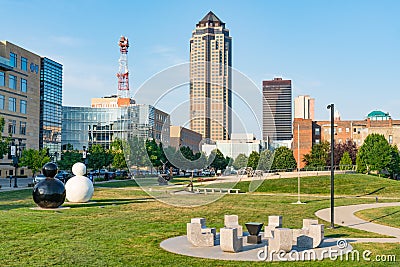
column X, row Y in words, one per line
column 121, row 173
column 109, row 175
column 38, row 178
column 63, row 176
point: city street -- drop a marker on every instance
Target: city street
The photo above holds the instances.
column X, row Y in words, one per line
column 21, row 182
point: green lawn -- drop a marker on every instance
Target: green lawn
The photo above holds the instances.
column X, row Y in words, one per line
column 124, row 227
column 387, row 216
column 345, row 184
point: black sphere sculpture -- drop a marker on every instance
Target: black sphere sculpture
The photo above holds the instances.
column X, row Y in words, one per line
column 49, row 193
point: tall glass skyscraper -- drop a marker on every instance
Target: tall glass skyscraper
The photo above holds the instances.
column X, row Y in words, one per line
column 50, row 107
column 277, row 110
column 88, row 126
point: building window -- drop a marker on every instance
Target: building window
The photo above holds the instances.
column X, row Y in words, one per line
column 13, row 59
column 340, row 130
column 12, row 81
column 22, row 128
column 22, row 107
column 24, row 64
column 23, row 85
column 2, row 98
column 317, row 131
column 317, row 141
column 390, row 139
column 12, row 124
column 12, row 104
column 347, row 130
column 2, row 79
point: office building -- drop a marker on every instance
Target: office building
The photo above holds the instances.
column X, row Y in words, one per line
column 181, row 136
column 314, row 132
column 239, row 144
column 277, row 110
column 19, row 100
column 211, row 79
column 50, row 107
column 304, row 107
column 87, row 126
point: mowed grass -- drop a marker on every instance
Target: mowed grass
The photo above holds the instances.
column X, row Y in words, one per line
column 345, row 184
column 125, row 227
column 387, row 216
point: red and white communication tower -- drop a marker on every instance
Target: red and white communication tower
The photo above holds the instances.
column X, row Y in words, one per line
column 123, row 72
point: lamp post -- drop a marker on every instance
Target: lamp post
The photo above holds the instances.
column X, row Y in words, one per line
column 332, row 108
column 15, row 150
column 85, row 159
column 298, row 166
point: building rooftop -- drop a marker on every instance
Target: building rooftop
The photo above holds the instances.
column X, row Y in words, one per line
column 211, row 18
column 378, row 113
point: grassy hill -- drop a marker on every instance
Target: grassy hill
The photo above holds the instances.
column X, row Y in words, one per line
column 345, row 184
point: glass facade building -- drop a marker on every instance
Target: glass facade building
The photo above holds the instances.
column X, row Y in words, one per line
column 50, row 107
column 87, row 126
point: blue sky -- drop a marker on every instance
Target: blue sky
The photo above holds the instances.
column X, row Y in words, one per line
column 344, row 52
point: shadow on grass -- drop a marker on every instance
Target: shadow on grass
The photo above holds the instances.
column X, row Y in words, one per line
column 381, row 217
column 15, row 206
column 108, row 202
column 373, row 192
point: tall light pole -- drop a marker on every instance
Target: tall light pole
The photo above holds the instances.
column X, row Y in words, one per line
column 15, row 153
column 332, row 108
column 298, row 166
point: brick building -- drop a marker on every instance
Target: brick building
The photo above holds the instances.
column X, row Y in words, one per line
column 314, row 132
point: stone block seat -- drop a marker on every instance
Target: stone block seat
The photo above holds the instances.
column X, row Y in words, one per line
column 312, row 230
column 230, row 241
column 199, row 235
column 282, row 240
column 232, row 221
column 273, row 223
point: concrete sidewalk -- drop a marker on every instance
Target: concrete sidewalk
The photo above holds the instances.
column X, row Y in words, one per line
column 344, row 216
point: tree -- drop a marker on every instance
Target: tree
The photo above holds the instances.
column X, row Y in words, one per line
column 153, row 153
column 339, row 149
column 284, row 159
column 394, row 166
column 240, row 161
column 374, row 155
column 33, row 159
column 136, row 152
column 187, row 153
column 4, row 142
column 68, row 159
column 116, row 149
column 254, row 158
column 219, row 162
column 345, row 162
column 318, row 156
column 266, row 160
column 99, row 157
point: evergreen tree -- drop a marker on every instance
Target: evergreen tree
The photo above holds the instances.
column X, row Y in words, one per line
column 345, row 162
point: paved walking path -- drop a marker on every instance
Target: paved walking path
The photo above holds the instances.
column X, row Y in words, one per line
column 344, row 216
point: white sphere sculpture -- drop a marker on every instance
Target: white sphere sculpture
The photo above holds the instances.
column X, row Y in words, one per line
column 79, row 169
column 79, row 188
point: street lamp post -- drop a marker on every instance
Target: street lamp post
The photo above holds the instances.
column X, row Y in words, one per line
column 85, row 159
column 15, row 150
column 332, row 108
